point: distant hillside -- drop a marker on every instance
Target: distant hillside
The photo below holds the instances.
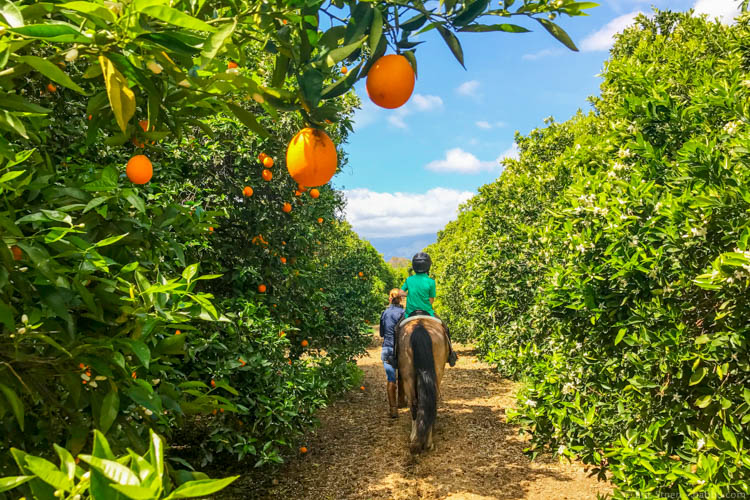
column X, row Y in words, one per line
column 399, row 262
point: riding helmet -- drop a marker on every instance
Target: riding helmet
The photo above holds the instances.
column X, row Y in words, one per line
column 421, row 262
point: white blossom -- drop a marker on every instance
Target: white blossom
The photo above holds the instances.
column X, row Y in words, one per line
column 731, row 127
column 561, row 449
column 700, row 444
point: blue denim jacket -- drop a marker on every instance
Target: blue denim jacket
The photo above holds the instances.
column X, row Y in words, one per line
column 388, row 321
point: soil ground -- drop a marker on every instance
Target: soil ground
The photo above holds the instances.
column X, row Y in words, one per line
column 360, row 453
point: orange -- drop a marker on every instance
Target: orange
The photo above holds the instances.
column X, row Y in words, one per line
column 262, row 157
column 344, row 70
column 91, row 117
column 311, row 157
column 298, row 193
column 137, row 143
column 262, row 288
column 134, row 375
column 231, row 65
column 268, row 162
column 213, row 412
column 304, row 343
column 177, row 332
column 314, row 193
column 210, row 229
column 139, row 169
column 213, row 383
column 287, row 208
column 283, row 260
column 361, row 274
column 283, row 242
column 267, row 175
column 51, row 87
column 302, row 449
column 144, row 125
column 362, row 387
column 248, row 191
column 281, row 333
column 390, row 81
column 17, row 252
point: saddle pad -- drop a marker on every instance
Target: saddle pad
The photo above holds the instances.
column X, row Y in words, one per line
column 412, row 318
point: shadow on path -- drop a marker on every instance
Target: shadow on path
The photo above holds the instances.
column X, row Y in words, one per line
column 360, row 453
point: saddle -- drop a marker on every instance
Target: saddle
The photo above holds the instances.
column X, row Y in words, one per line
column 404, row 321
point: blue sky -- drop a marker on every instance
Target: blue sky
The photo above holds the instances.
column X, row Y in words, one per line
column 410, row 168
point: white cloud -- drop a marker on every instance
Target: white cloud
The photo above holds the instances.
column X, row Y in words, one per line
column 458, row 160
column 725, row 10
column 487, row 125
column 512, row 153
column 427, row 102
column 390, row 215
column 468, row 88
column 538, row 55
column 418, row 103
column 604, row 38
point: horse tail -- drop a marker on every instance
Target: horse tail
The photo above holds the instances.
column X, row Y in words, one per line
column 426, row 384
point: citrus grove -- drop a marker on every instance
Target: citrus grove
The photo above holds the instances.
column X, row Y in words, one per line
column 175, row 266
column 608, row 268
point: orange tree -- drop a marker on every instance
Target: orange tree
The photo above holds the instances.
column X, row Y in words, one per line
column 128, row 306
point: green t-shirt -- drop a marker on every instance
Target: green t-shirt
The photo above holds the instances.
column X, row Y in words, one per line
column 421, row 289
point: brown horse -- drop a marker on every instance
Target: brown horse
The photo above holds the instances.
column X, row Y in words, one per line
column 422, row 354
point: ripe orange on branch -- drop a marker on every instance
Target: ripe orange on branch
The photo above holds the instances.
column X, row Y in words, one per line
column 304, row 343
column 139, row 169
column 314, row 193
column 262, row 288
column 390, row 81
column 268, row 162
column 262, row 157
column 248, row 191
column 17, row 252
column 267, row 175
column 287, row 207
column 311, row 157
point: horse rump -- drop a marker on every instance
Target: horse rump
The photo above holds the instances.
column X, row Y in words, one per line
column 426, row 385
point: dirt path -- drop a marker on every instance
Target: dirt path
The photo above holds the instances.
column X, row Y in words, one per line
column 360, row 453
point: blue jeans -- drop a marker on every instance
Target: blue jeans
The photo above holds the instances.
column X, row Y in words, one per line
column 390, row 372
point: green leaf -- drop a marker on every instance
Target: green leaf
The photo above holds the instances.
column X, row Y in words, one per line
column 110, row 241
column 141, row 351
column 698, row 375
column 49, row 473
column 279, row 70
column 453, row 44
column 67, row 462
column 620, row 335
column 12, row 16
column 484, row 28
column 202, row 487
column 15, row 403
column 703, row 401
column 112, row 470
column 471, row 11
column 558, row 33
column 156, row 453
column 53, row 31
column 376, row 28
column 216, row 41
column 176, row 18
column 134, row 200
column 248, row 120
column 51, row 71
column 341, row 53
column 109, row 410
column 90, row 8
column 190, row 271
column 121, row 98
column 360, row 20
column 10, row 482
column 138, row 492
column 205, row 304
column 174, row 344
column 414, row 23
column 13, row 123
column 342, row 85
column 311, row 85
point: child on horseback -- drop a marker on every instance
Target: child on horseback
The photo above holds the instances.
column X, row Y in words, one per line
column 420, row 289
column 388, row 322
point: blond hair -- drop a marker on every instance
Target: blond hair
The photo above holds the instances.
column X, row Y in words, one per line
column 395, row 296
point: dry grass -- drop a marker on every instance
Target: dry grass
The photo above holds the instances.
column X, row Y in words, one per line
column 360, row 453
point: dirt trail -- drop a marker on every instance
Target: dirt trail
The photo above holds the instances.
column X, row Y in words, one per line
column 360, row 453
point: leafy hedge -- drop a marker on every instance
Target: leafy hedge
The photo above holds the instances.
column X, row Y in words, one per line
column 610, row 267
